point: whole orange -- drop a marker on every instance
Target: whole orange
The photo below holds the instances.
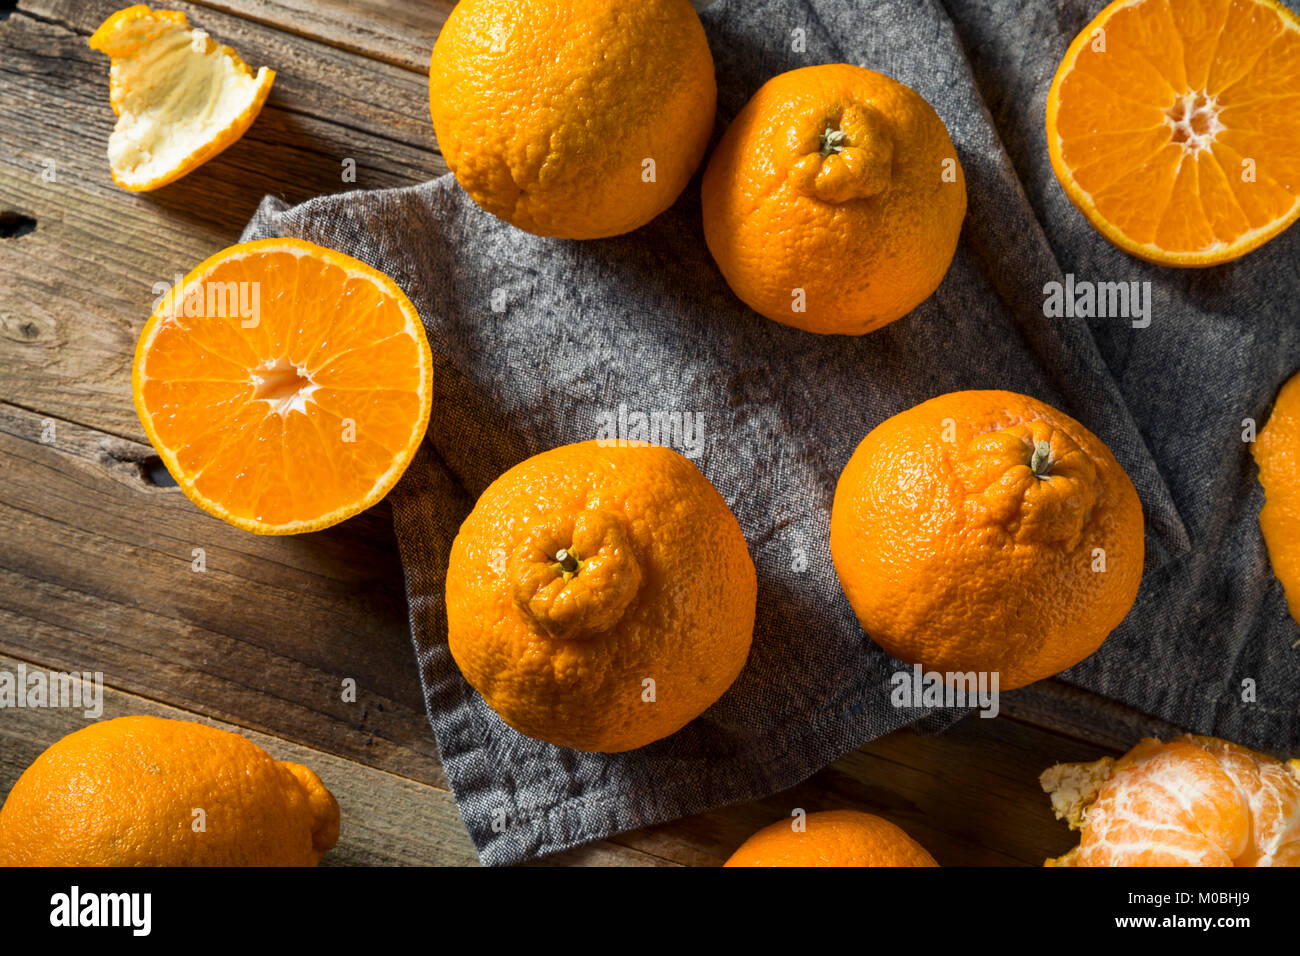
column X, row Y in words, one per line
column 600, row 596
column 1277, row 453
column 145, row 791
column 573, row 118
column 834, row 201
column 832, row 838
column 986, row 531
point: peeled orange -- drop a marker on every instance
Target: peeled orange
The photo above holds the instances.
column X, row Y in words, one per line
column 180, row 97
column 285, row 386
column 1194, row 801
column 1174, row 126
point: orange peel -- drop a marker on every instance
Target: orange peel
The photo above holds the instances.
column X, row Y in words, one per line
column 180, row 97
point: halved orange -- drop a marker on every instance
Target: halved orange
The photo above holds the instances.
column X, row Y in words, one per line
column 1174, row 126
column 284, row 385
column 180, row 97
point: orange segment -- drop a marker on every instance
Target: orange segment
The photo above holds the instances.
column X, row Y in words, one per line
column 1174, row 126
column 1277, row 453
column 286, row 386
column 180, row 97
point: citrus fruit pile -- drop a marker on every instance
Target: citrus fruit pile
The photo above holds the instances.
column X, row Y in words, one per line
column 601, row 597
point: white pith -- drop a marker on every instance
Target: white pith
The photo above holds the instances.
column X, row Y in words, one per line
column 1194, row 121
column 284, row 386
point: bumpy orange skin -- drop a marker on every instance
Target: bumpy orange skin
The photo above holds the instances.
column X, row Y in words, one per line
column 1113, row 136
column 124, row 793
column 866, row 232
column 955, row 555
column 832, row 838
column 546, row 110
column 1277, row 453
column 664, row 589
column 1194, row 801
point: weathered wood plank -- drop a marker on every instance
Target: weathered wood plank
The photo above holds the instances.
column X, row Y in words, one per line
column 1080, row 714
column 386, row 820
column 97, row 573
column 400, row 32
column 970, row 796
column 75, row 291
column 313, row 79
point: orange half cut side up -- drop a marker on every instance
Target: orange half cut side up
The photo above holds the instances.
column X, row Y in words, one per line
column 1174, row 126
column 285, row 386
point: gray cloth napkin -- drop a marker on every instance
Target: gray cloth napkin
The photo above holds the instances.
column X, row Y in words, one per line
column 539, row 342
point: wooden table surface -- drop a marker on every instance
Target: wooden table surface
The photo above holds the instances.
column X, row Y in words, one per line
column 97, row 551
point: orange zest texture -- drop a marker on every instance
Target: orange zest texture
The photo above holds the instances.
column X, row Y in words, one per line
column 834, row 201
column 987, row 531
column 127, row 792
column 295, row 408
column 600, row 597
column 573, row 118
column 1194, row 801
column 1174, row 126
column 180, row 97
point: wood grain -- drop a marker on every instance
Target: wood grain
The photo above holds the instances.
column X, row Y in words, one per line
column 96, row 559
column 400, row 32
column 75, row 292
column 97, row 573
